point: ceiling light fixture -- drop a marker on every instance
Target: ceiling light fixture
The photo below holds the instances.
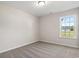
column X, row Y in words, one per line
column 40, row 3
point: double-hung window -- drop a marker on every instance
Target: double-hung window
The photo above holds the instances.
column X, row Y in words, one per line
column 68, row 27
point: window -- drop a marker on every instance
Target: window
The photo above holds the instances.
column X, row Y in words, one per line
column 68, row 27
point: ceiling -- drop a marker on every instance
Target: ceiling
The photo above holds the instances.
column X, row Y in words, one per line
column 50, row 7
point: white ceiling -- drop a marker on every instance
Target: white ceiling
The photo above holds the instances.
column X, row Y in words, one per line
column 51, row 7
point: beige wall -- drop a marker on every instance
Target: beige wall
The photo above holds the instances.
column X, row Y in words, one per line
column 49, row 28
column 17, row 28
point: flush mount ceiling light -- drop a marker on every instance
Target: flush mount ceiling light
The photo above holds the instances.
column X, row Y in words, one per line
column 40, row 3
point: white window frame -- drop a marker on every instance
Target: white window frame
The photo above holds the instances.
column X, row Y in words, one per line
column 76, row 27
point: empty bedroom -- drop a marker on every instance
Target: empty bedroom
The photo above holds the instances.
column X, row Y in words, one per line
column 39, row 29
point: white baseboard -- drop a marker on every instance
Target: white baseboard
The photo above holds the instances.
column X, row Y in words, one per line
column 18, row 46
column 59, row 44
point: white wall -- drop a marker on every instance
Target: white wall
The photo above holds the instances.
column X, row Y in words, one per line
column 49, row 28
column 17, row 28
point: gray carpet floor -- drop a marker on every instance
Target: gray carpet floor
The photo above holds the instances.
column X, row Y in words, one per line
column 42, row 50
